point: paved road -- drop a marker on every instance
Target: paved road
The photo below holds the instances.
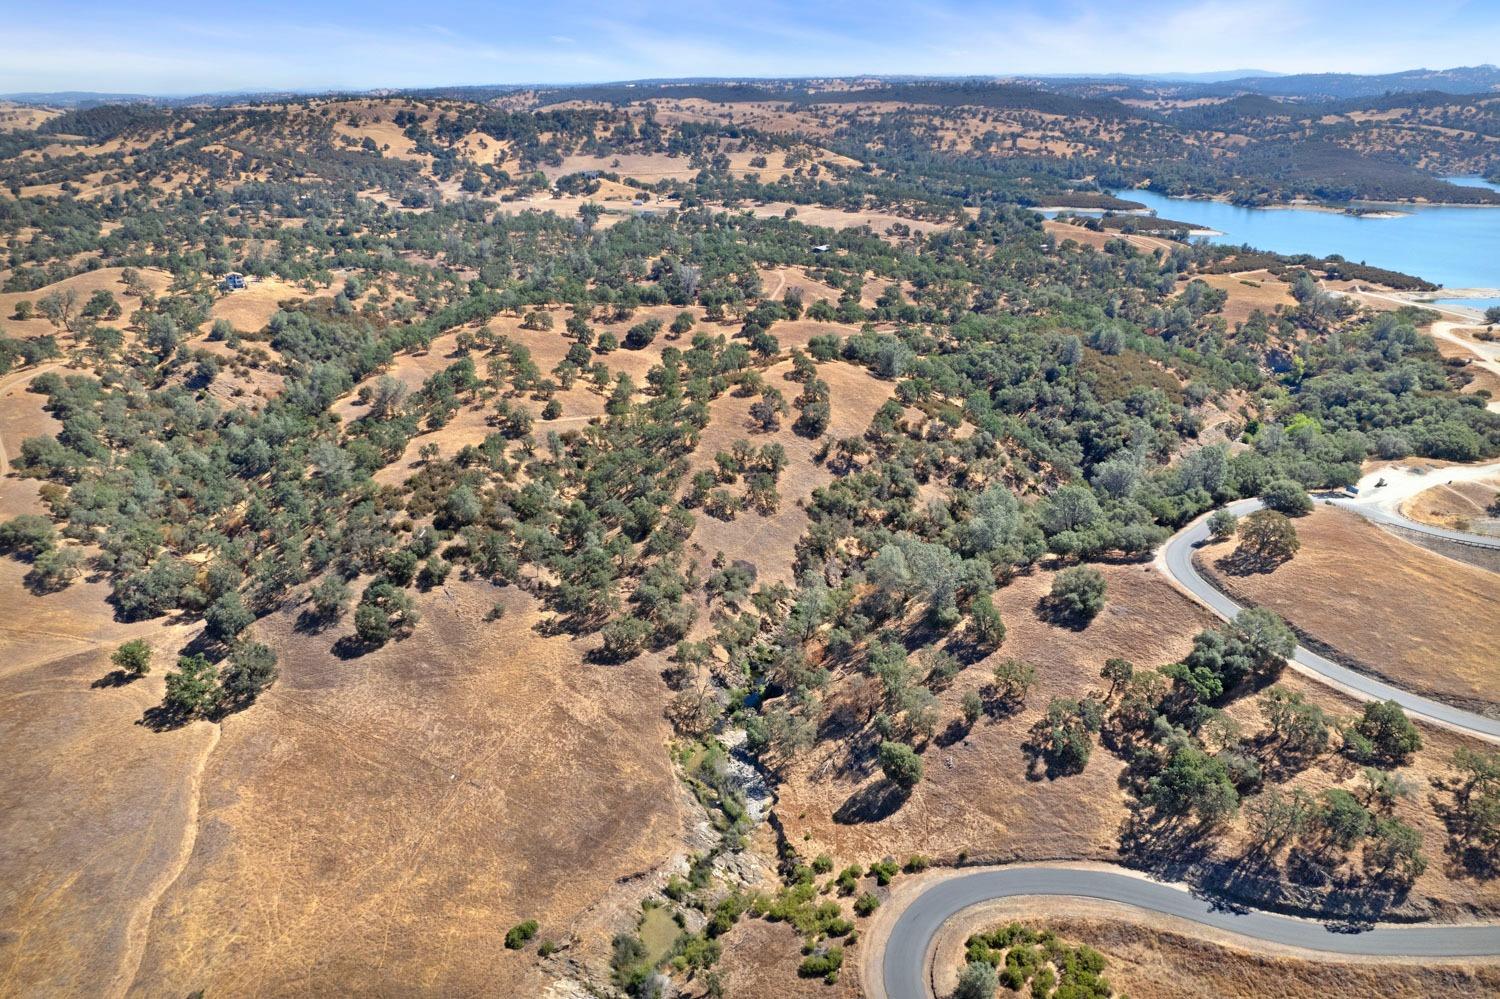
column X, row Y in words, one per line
column 1394, row 518
column 1176, row 559
column 904, row 968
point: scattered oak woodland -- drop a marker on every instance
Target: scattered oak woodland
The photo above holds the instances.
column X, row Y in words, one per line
column 756, row 448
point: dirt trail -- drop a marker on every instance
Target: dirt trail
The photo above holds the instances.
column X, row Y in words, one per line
column 139, row 932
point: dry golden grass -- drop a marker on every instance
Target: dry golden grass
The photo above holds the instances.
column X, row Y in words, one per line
column 375, row 825
column 1149, row 962
column 23, row 117
column 1461, row 506
column 1087, row 237
column 769, row 542
column 834, row 218
column 249, row 309
column 1415, row 618
column 975, row 798
column 1250, row 291
column 95, row 810
column 776, row 281
column 982, row 801
column 83, row 285
column 761, row 958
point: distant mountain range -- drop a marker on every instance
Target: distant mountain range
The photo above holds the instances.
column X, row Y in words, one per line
column 1296, row 86
column 1224, row 83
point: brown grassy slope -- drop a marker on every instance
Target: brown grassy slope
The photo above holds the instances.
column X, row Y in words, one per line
column 376, row 824
column 249, row 309
column 1462, row 506
column 82, row 285
column 1152, row 964
column 770, row 541
column 761, row 958
column 1418, row 619
column 1249, row 291
column 94, row 808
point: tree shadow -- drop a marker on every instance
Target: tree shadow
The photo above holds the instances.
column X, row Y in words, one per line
column 956, row 731
column 1054, row 612
column 310, row 622
column 1466, row 857
column 1241, row 563
column 1168, row 845
column 114, row 678
column 352, row 647
column 160, row 718
column 878, row 801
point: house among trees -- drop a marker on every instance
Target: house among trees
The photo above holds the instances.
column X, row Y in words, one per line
column 820, row 248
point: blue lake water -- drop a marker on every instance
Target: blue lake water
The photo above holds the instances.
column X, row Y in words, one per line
column 1469, row 303
column 1454, row 247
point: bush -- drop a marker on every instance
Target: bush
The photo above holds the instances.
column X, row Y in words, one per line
column 1286, row 496
column 192, row 687
column 133, row 658
column 866, row 904
column 518, row 935
column 1222, row 524
column 251, row 669
column 900, row 764
column 624, row 639
column 1390, row 733
column 641, row 334
column 989, row 627
column 372, row 625
column 226, row 618
column 822, row 965
column 1078, row 593
column 978, row 980
column 28, row 534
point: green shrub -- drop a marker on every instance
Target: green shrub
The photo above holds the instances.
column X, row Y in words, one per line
column 824, row 964
column 519, row 934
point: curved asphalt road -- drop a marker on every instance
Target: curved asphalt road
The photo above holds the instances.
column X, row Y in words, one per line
column 1176, row 559
column 904, row 971
column 1379, row 515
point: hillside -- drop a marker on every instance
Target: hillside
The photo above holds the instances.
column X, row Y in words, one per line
column 570, row 542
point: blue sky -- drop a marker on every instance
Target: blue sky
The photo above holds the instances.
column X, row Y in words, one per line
column 170, row 46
